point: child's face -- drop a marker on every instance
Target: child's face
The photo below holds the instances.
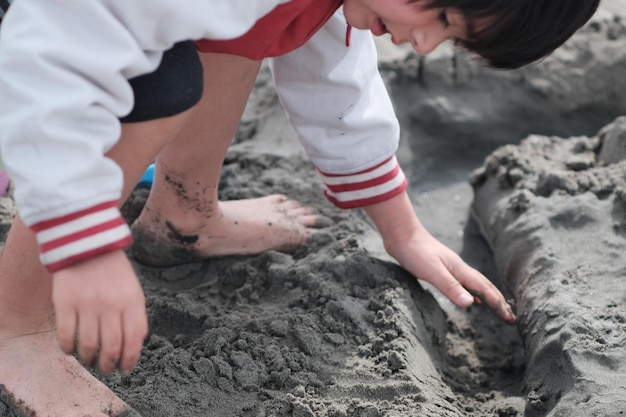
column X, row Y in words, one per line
column 407, row 22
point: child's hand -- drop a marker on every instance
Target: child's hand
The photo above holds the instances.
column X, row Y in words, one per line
column 101, row 302
column 426, row 258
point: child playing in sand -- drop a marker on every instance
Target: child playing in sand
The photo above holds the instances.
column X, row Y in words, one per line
column 86, row 103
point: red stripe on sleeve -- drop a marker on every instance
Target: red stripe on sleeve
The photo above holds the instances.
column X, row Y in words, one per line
column 73, row 260
column 48, row 224
column 363, row 202
column 53, row 244
column 337, row 188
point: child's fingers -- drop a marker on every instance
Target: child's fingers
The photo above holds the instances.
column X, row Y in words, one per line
column 309, row 220
column 135, row 329
column 110, row 343
column 477, row 284
column 289, row 205
column 88, row 337
column 495, row 300
column 66, row 328
column 304, row 210
column 301, row 211
column 450, row 286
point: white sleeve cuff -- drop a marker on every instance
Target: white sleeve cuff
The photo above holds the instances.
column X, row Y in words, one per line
column 77, row 237
column 364, row 188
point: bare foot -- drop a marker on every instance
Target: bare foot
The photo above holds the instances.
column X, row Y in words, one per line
column 244, row 227
column 45, row 382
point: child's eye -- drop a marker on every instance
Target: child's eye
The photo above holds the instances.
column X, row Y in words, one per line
column 443, row 17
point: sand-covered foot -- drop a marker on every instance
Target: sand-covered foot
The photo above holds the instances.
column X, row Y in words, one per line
column 38, row 379
column 243, row 227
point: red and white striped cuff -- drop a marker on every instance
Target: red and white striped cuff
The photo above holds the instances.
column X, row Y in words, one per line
column 371, row 186
column 77, row 237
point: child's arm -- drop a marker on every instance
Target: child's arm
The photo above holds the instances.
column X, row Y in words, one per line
column 337, row 101
column 425, row 257
column 64, row 70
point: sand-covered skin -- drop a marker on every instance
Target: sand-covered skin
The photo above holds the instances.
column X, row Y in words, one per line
column 334, row 330
column 10, row 407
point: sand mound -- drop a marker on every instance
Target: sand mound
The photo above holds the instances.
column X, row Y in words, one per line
column 554, row 212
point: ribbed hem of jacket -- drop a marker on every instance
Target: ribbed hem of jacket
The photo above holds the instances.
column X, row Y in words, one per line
column 77, row 237
column 373, row 185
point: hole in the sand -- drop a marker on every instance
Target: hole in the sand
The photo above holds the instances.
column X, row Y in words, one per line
column 174, row 323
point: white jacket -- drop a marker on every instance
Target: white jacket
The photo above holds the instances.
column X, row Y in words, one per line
column 64, row 71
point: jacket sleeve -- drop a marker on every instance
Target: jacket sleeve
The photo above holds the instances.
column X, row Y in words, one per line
column 64, row 70
column 336, row 100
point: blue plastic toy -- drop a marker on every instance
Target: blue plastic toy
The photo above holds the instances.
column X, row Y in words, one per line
column 147, row 177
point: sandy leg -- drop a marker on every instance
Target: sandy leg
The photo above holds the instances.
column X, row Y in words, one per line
column 33, row 369
column 50, row 383
column 183, row 220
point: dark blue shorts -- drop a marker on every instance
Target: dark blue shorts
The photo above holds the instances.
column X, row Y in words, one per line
column 174, row 87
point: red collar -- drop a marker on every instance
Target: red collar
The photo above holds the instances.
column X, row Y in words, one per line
column 286, row 28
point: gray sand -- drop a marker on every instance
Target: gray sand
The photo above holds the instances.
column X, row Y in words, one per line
column 336, row 329
column 554, row 211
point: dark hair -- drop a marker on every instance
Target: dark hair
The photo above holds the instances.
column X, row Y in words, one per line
column 519, row 31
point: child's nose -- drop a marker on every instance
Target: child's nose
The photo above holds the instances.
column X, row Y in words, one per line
column 426, row 41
